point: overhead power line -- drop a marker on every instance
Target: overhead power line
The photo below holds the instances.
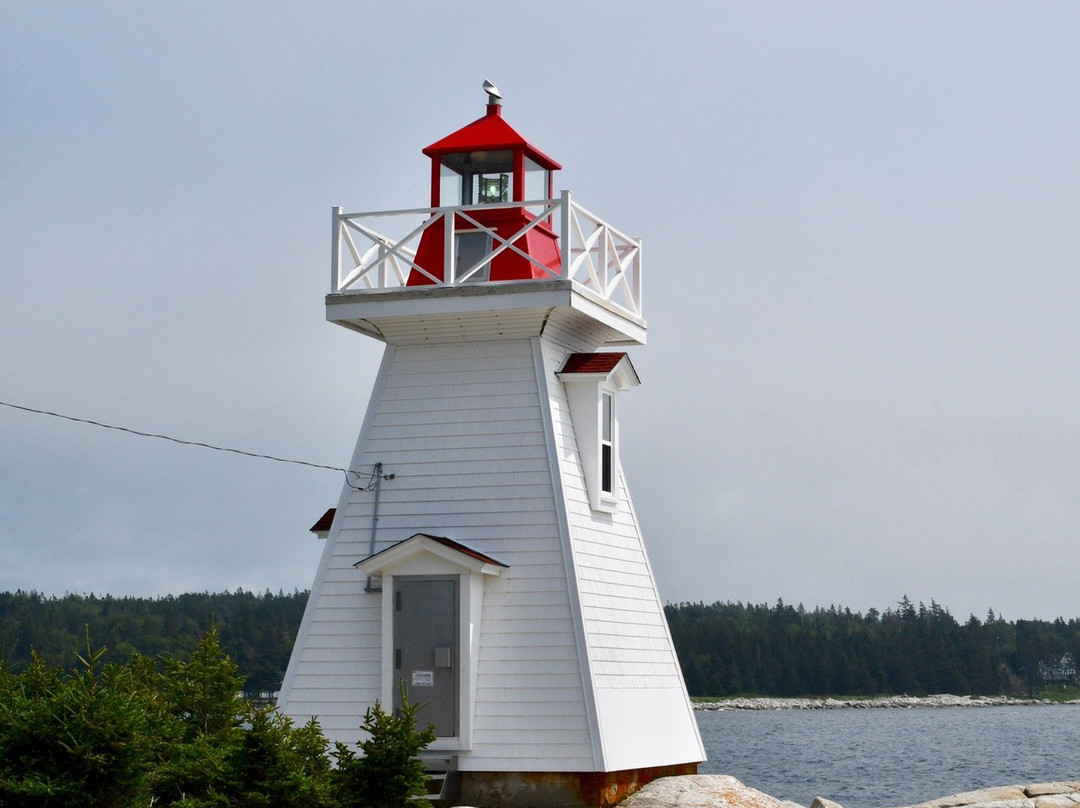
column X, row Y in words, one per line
column 182, row 442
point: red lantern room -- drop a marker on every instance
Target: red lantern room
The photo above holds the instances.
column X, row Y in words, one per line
column 489, row 170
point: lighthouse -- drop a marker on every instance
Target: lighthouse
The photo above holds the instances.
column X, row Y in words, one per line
column 484, row 557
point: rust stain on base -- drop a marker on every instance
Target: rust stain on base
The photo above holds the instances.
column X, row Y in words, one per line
column 560, row 789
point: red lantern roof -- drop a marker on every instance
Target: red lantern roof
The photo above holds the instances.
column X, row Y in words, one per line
column 489, row 133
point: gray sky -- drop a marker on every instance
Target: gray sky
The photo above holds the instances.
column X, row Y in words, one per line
column 861, row 225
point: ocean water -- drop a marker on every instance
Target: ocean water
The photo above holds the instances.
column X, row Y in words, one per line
column 876, row 758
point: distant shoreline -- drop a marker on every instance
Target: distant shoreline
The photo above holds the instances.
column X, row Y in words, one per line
column 882, row 702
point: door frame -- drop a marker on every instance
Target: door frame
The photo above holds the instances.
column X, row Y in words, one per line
column 423, row 555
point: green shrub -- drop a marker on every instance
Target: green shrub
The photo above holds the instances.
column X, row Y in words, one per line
column 389, row 774
column 120, row 736
column 74, row 740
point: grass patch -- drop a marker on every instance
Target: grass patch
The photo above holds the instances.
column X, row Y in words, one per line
column 1059, row 693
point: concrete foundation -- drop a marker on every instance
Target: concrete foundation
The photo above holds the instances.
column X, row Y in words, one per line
column 559, row 789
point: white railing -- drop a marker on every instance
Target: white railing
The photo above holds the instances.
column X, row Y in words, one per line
column 593, row 253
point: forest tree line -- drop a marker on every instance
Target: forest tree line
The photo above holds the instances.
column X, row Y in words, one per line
column 724, row 648
column 255, row 630
column 782, row 650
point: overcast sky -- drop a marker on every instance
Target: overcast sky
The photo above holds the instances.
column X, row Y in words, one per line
column 861, row 225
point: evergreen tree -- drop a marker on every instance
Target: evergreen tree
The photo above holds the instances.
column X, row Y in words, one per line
column 74, row 740
column 390, row 774
column 121, row 736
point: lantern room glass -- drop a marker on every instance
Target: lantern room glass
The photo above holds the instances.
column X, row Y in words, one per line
column 477, row 177
column 537, row 181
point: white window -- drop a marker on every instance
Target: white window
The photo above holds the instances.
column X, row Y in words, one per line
column 607, row 443
column 592, row 383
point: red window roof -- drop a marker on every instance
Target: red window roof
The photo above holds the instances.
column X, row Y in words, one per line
column 461, row 548
column 592, row 362
column 325, row 521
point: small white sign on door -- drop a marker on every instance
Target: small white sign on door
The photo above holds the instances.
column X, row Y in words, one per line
column 423, row 678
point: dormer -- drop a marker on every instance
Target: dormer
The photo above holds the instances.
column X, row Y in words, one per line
column 322, row 526
column 593, row 382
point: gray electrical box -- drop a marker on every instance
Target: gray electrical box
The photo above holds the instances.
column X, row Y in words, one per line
column 444, row 657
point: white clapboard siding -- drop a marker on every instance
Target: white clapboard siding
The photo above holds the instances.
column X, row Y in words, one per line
column 574, row 668
column 460, row 427
column 632, row 664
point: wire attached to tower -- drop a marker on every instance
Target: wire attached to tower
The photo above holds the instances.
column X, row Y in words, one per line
column 368, row 486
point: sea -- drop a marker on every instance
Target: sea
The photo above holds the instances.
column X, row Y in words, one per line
column 881, row 758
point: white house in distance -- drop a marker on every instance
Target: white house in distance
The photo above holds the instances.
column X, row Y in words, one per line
column 486, row 555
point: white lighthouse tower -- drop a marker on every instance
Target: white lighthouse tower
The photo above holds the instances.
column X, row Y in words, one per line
column 488, row 556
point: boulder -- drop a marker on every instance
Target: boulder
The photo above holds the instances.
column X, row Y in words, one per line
column 1048, row 789
column 1057, row 801
column 985, row 796
column 723, row 791
column 699, row 791
column 1060, row 794
column 821, row 802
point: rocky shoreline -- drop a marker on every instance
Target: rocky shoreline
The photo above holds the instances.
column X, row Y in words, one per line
column 723, row 791
column 883, row 702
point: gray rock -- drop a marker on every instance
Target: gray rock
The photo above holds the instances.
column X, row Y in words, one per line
column 699, row 791
column 1046, row 789
column 894, row 702
column 985, row 796
column 1019, row 803
column 723, row 791
column 1057, row 801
